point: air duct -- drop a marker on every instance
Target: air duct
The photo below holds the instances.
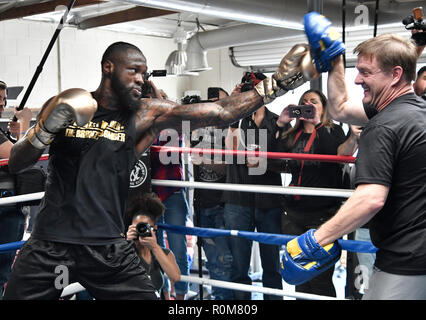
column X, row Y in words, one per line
column 201, row 42
column 266, row 56
column 275, row 13
column 282, row 14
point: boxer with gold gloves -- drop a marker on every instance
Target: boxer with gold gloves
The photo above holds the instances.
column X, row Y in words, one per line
column 94, row 141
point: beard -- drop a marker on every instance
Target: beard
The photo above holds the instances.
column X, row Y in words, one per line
column 124, row 94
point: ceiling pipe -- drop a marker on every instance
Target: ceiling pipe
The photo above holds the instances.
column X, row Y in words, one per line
column 282, row 14
column 201, row 42
column 276, row 13
column 16, row 3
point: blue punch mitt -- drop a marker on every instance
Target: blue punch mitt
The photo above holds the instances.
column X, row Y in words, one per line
column 324, row 40
column 304, row 258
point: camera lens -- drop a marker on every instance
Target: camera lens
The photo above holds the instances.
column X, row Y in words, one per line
column 407, row 20
column 143, row 229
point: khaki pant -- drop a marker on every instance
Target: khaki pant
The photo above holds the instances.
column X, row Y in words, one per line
column 387, row 286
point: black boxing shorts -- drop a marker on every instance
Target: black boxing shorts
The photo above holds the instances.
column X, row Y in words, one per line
column 109, row 272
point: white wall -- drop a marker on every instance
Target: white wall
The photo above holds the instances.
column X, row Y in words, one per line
column 223, row 73
column 24, row 43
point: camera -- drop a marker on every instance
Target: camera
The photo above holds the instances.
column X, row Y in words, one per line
column 250, row 79
column 247, row 86
column 306, row 111
column 143, row 229
column 213, row 93
column 155, row 73
column 146, row 88
column 193, row 99
column 415, row 21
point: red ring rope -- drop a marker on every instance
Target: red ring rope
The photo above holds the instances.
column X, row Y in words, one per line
column 4, row 162
column 263, row 154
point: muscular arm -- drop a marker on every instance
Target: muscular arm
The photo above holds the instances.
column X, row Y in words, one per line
column 364, row 203
column 24, row 154
column 341, row 107
column 220, row 112
column 156, row 115
column 5, row 148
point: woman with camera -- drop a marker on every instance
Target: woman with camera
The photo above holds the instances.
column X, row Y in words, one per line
column 144, row 213
column 314, row 132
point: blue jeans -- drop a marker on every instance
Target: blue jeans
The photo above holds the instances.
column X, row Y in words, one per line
column 247, row 219
column 177, row 211
column 12, row 224
column 217, row 250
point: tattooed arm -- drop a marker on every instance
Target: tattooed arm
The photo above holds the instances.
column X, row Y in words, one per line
column 294, row 70
column 220, row 112
column 156, row 115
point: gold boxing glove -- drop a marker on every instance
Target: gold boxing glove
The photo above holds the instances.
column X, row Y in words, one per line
column 294, row 70
column 72, row 105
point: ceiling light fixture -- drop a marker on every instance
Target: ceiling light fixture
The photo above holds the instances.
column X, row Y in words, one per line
column 177, row 60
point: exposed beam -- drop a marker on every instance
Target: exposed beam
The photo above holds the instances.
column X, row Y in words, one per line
column 43, row 7
column 136, row 13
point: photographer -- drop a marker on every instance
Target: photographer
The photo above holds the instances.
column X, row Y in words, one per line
column 145, row 212
column 12, row 217
column 316, row 135
column 208, row 206
column 248, row 211
column 415, row 23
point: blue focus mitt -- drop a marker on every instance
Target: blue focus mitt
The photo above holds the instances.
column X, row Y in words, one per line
column 304, row 258
column 324, row 40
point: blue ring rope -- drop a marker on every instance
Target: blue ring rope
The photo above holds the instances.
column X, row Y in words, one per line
column 267, row 238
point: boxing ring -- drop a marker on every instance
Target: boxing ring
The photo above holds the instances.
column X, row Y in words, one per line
column 275, row 239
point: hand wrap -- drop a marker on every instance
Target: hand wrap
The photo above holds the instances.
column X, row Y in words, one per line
column 294, row 70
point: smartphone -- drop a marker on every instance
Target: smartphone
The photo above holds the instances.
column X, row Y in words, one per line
column 306, row 111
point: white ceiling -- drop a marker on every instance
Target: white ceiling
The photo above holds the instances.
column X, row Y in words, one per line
column 162, row 26
column 211, row 14
column 208, row 15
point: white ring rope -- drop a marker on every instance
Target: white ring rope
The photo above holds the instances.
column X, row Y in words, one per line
column 77, row 287
column 325, row 192
column 328, row 192
column 22, row 198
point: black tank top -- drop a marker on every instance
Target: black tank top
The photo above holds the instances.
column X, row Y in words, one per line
column 88, row 181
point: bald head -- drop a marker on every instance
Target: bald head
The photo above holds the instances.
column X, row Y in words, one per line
column 118, row 49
